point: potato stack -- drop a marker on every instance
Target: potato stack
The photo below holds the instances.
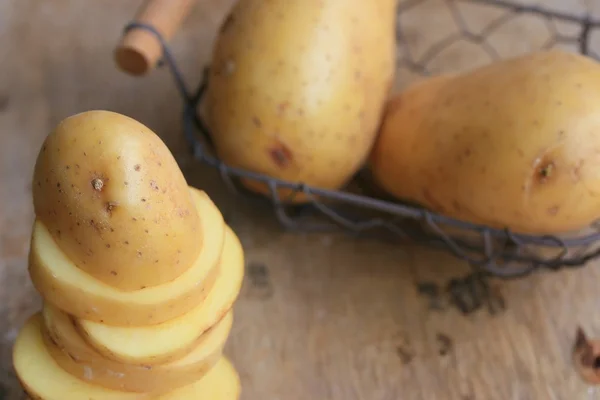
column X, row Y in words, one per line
column 138, row 272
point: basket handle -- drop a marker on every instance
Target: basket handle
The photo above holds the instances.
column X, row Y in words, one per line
column 139, row 50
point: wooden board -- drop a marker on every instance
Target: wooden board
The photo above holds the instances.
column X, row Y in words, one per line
column 320, row 316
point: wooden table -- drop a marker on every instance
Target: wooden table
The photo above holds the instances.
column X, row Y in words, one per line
column 320, row 316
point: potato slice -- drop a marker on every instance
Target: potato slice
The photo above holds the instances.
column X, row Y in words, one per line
column 164, row 342
column 42, row 378
column 82, row 361
column 222, row 382
column 61, row 283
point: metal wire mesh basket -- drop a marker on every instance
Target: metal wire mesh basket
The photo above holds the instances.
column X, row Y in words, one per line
column 361, row 210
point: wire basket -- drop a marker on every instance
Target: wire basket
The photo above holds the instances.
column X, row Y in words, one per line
column 361, row 210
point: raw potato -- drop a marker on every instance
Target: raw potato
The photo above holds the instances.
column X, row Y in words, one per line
column 170, row 340
column 297, row 87
column 222, row 382
column 114, row 199
column 73, row 354
column 61, row 283
column 514, row 144
column 42, row 378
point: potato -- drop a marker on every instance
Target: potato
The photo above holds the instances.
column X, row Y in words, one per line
column 297, row 87
column 42, row 378
column 61, row 283
column 222, row 382
column 512, row 145
column 114, row 199
column 73, row 354
column 170, row 340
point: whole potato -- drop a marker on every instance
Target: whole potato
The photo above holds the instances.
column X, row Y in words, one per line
column 114, row 199
column 297, row 87
column 513, row 144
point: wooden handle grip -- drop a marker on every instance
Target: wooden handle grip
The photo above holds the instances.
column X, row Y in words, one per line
column 139, row 50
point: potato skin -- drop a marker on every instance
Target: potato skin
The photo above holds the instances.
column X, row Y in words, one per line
column 61, row 283
column 115, row 201
column 513, row 144
column 297, row 87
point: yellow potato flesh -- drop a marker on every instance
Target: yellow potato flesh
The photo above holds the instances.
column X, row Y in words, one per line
column 222, row 382
column 61, row 283
column 42, row 378
column 81, row 360
column 166, row 341
column 113, row 197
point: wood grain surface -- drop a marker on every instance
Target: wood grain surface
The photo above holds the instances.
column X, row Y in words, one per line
column 320, row 316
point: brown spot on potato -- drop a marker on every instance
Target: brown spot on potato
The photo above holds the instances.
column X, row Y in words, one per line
column 97, row 184
column 553, row 210
column 545, row 171
column 281, row 155
column 153, row 185
column 113, row 273
column 110, row 206
column 282, row 107
column 95, row 225
column 577, row 170
column 137, row 167
column 257, row 122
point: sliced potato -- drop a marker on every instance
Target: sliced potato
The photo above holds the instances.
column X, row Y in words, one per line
column 42, row 378
column 222, row 382
column 161, row 343
column 81, row 360
column 61, row 283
